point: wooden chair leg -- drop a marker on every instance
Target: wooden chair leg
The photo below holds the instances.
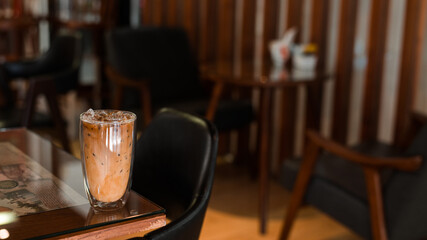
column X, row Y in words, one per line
column 373, row 187
column 57, row 118
column 30, row 100
column 46, row 87
column 300, row 187
column 243, row 155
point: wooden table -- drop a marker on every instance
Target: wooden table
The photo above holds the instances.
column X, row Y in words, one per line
column 49, row 181
column 265, row 77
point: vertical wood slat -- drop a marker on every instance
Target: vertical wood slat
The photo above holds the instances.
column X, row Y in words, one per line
column 248, row 30
column 157, row 14
column 287, row 121
column 225, row 29
column 270, row 24
column 318, row 35
column 319, row 30
column 189, row 19
column 411, row 54
column 146, row 11
column 294, row 18
column 171, row 12
column 341, row 102
column 207, row 44
column 374, row 73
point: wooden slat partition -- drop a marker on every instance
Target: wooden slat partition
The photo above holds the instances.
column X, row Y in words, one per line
column 319, row 36
column 248, row 30
column 158, row 18
column 294, row 18
column 235, row 30
column 211, row 25
column 207, row 30
column 287, row 119
column 320, row 31
column 344, row 69
column 271, row 12
column 414, row 31
column 187, row 10
column 171, row 12
column 225, row 29
column 374, row 79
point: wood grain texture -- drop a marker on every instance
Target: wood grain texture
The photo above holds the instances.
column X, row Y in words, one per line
column 207, row 45
column 344, row 69
column 225, row 29
column 248, row 30
column 410, row 62
column 303, row 178
column 376, row 206
column 289, row 96
column 171, row 9
column 318, row 35
column 374, row 74
column 119, row 230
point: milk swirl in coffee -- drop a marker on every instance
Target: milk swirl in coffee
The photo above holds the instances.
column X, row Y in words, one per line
column 107, row 138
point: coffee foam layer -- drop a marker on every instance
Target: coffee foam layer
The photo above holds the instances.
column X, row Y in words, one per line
column 107, row 116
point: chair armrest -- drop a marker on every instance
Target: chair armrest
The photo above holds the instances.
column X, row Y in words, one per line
column 119, row 79
column 141, row 84
column 401, row 163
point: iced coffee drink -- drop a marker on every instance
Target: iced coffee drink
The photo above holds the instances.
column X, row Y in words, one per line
column 107, row 139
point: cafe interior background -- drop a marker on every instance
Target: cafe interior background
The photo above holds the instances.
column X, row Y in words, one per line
column 374, row 50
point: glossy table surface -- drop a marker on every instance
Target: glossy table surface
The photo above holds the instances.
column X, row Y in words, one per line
column 45, row 188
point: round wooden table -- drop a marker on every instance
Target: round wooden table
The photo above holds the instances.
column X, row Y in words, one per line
column 265, row 77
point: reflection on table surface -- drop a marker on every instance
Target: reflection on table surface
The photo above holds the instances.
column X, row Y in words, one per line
column 254, row 73
column 45, row 185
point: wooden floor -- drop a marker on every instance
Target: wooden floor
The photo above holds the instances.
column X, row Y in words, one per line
column 232, row 211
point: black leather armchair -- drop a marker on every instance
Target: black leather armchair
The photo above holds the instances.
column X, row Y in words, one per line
column 174, row 166
column 159, row 63
column 55, row 72
column 376, row 190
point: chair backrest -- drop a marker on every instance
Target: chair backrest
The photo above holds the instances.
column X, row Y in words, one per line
column 162, row 55
column 406, row 196
column 63, row 58
column 174, row 167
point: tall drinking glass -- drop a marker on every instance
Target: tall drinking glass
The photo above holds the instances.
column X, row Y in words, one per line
column 107, row 144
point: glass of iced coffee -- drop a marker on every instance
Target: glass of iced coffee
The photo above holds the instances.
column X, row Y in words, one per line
column 107, row 143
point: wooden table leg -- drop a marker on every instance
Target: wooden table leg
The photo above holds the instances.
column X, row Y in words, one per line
column 264, row 156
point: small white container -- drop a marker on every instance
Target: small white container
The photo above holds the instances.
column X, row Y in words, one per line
column 303, row 61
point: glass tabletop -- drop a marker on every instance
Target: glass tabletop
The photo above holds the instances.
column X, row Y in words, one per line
column 42, row 192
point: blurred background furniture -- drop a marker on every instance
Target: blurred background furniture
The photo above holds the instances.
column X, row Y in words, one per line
column 92, row 19
column 159, row 64
column 52, row 74
column 20, row 28
column 267, row 80
column 174, row 166
column 374, row 189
